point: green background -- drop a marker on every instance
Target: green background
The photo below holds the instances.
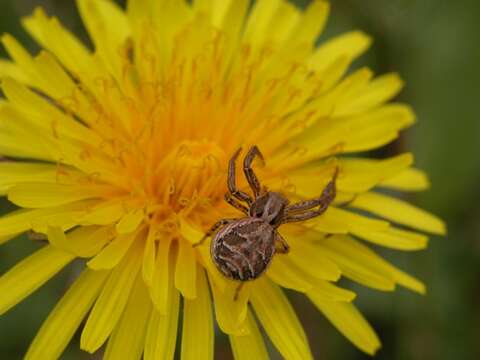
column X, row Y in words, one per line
column 434, row 45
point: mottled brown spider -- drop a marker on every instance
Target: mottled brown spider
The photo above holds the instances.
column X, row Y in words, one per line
column 243, row 248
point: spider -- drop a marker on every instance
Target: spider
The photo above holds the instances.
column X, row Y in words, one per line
column 243, row 247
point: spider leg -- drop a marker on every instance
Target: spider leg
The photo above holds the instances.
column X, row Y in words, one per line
column 249, row 173
column 212, row 230
column 328, row 195
column 324, row 201
column 303, row 216
column 282, row 246
column 232, row 186
column 235, row 203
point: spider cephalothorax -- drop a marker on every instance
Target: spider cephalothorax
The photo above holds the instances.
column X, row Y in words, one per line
column 243, row 248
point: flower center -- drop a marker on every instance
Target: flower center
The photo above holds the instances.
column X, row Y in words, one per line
column 191, row 174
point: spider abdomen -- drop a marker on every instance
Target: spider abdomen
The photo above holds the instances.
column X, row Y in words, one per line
column 243, row 249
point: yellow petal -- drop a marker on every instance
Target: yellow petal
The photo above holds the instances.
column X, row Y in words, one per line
column 113, row 253
column 351, row 44
column 204, row 7
column 366, row 131
column 336, row 220
column 57, row 238
column 130, row 221
column 45, row 115
column 185, row 271
column 62, row 323
column 138, row 9
column 52, row 78
column 43, row 71
column 348, row 320
column 395, row 239
column 12, row 173
column 9, row 69
column 363, row 265
column 20, row 139
column 307, row 258
column 148, row 265
column 406, row 280
column 382, row 127
column 214, row 276
column 284, row 273
column 104, row 213
column 399, row 211
column 110, row 304
column 349, row 87
column 190, row 232
column 259, row 19
column 231, row 313
column 197, row 331
column 194, row 235
column 21, row 57
column 42, row 195
column 374, row 94
column 65, row 217
column 70, row 51
column 334, row 72
column 128, row 338
column 19, row 221
column 279, row 320
column 326, row 291
column 360, row 175
column 360, row 265
column 160, row 289
column 251, row 346
column 162, row 329
column 39, row 219
column 83, row 241
column 169, row 18
column 109, row 30
column 284, row 19
column 219, row 9
column 312, row 23
column 29, row 274
column 408, row 180
column 230, row 20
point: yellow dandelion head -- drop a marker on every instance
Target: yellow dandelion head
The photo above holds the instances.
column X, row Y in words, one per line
column 119, row 155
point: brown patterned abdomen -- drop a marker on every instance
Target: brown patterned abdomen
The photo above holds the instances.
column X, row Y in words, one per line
column 243, row 249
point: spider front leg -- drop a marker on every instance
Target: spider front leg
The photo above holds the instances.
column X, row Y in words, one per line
column 297, row 212
column 231, row 182
column 235, row 203
column 249, row 173
column 213, row 229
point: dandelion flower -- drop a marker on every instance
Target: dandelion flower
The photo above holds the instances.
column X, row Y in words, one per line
column 118, row 155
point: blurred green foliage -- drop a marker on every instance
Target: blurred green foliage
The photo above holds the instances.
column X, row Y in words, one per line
column 433, row 45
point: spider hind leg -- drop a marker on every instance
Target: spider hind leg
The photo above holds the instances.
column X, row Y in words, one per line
column 301, row 211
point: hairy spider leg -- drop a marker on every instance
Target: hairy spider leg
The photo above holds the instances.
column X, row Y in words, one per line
column 324, row 201
column 231, row 182
column 249, row 173
column 235, row 203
